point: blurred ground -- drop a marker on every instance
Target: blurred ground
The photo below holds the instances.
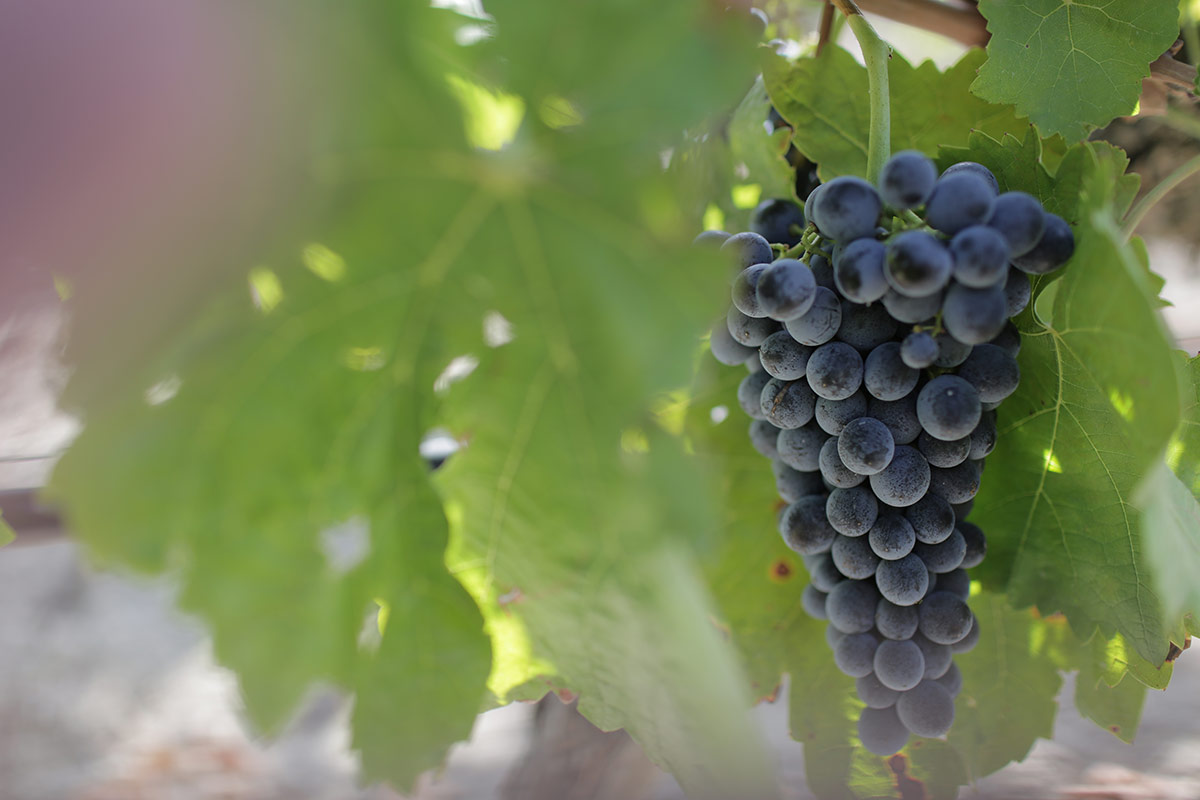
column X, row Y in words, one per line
column 107, row 693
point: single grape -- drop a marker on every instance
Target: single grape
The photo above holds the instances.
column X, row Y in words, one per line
column 956, row 582
column 1008, row 340
column 968, row 642
column 811, row 211
column 941, row 453
column 800, row 448
column 833, row 415
column 903, row 582
column 881, row 731
column 812, row 600
column 932, row 519
column 983, row 438
column 874, row 693
column 745, row 291
column 927, row 710
column 866, row 327
column 786, row 289
column 952, row 680
column 918, row 350
column 832, row 634
column 746, row 249
column 976, row 544
column 774, row 220
column 851, row 606
column 948, row 408
column 900, row 416
column 912, row 310
column 938, row 657
column 898, row 665
column 959, row 200
column 853, row 557
column 907, row 179
column 977, row 169
column 848, row 208
column 820, row 323
column 852, row 511
column 749, row 331
column 891, row 537
column 710, row 240
column 804, row 527
column 824, row 573
column 835, row 371
column 855, row 654
column 946, row 555
column 992, row 371
column 981, row 256
column 858, row 271
column 951, row 352
column 918, row 265
column 822, row 271
column 763, row 435
column 1054, row 249
column 957, row 484
column 726, row 349
column 866, row 446
column 749, row 394
column 1016, row 291
column 895, row 622
column 788, row 404
column 834, row 471
column 885, row 375
column 945, row 618
column 793, row 484
column 783, row 357
column 1019, row 218
column 904, row 481
column 974, row 316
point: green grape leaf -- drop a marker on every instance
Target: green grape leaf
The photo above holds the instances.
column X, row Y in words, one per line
column 761, row 153
column 1072, row 65
column 1171, row 516
column 1185, row 451
column 274, row 463
column 1097, row 403
column 825, row 99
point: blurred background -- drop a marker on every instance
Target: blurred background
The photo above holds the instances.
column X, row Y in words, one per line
column 134, row 129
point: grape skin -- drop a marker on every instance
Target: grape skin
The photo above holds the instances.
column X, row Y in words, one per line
column 747, row 249
column 745, row 291
column 1054, row 249
column 853, row 557
column 783, row 357
column 983, row 438
column 900, row 417
column 885, row 375
column 800, row 448
column 833, row 415
column 848, row 208
column 786, row 290
column 944, row 454
column 1017, row 291
column 792, row 484
column 993, row 372
column 858, row 271
column 763, row 436
column 896, row 622
column 946, row 555
column 904, row 481
column 932, row 519
column 959, row 200
column 855, row 654
column 881, row 731
column 907, row 179
column 945, row 618
column 956, row 582
column 812, row 601
column 866, row 327
column 822, row 271
column 974, row 316
column 852, row 511
column 834, row 471
column 903, row 582
column 956, row 484
column 912, row 310
column 926, row 710
column 948, row 408
column 918, row 350
column 874, row 693
column 968, row 642
column 899, row 665
column 820, row 323
column 951, row 352
column 804, row 527
column 1019, row 218
column 865, row 446
column 726, row 349
column 773, row 220
column 749, row 394
column 891, row 537
column 835, row 371
column 981, row 256
column 938, row 657
column 788, row 404
column 952, row 680
column 977, row 169
column 976, row 544
column 824, row 573
column 851, row 606
column 749, row 331
column 918, row 265
column 710, row 240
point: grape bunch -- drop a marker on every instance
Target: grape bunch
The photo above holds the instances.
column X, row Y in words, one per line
column 878, row 339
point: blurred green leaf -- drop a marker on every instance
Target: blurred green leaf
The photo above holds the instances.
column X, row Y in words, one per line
column 1072, row 65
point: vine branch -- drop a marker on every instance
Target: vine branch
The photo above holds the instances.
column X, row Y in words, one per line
column 1180, row 174
column 876, row 55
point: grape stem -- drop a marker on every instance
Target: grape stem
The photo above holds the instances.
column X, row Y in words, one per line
column 1181, row 173
column 876, row 55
